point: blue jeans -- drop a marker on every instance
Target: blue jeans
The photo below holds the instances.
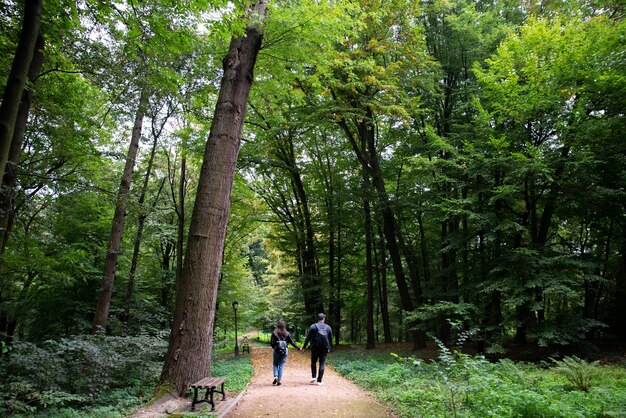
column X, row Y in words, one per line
column 279, row 364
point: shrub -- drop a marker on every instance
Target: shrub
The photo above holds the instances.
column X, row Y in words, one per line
column 579, row 372
column 469, row 386
column 78, row 371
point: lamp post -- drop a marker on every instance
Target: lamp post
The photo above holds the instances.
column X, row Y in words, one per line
column 235, row 305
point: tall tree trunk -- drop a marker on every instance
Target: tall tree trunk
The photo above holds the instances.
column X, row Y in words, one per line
column 369, row 273
column 337, row 329
column 381, row 274
column 115, row 239
column 9, row 180
column 140, row 225
column 4, row 319
column 312, row 286
column 188, row 356
column 424, row 248
column 367, row 156
column 311, row 280
column 332, row 305
column 620, row 285
column 17, row 77
column 390, row 230
column 167, row 249
column 539, row 230
column 180, row 250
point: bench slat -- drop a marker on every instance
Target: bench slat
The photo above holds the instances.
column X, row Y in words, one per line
column 208, row 382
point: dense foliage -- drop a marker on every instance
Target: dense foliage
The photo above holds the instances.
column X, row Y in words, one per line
column 403, row 164
column 461, row 385
column 103, row 374
column 97, row 375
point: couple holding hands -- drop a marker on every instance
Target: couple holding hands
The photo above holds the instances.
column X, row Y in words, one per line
column 320, row 337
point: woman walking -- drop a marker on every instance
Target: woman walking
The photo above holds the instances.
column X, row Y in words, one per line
column 279, row 340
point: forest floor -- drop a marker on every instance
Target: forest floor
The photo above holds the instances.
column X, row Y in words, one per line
column 296, row 396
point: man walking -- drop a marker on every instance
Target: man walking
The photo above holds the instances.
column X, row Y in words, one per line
column 320, row 336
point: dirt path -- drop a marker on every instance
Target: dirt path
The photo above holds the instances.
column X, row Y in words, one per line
column 296, row 397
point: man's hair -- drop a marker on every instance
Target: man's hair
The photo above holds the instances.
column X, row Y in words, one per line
column 320, row 316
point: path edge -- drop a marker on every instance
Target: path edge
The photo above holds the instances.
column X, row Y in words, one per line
column 232, row 404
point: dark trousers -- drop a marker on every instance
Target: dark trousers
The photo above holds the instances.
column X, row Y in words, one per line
column 315, row 356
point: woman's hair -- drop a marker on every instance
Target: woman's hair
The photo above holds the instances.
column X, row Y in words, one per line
column 281, row 329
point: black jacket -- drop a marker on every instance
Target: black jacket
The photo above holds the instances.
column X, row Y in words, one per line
column 311, row 337
column 274, row 341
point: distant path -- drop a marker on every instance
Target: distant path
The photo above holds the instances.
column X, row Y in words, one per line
column 296, row 397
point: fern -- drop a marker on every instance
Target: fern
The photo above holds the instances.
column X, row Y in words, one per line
column 580, row 373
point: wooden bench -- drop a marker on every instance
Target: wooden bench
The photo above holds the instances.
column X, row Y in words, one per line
column 210, row 384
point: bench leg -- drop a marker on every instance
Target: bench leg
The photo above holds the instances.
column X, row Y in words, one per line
column 195, row 399
column 223, row 393
column 211, row 401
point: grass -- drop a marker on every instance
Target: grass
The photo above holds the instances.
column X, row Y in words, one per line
column 238, row 370
column 467, row 386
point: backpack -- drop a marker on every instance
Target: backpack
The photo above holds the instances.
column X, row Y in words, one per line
column 321, row 337
column 281, row 347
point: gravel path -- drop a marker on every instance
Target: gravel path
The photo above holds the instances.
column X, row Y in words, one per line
column 296, row 397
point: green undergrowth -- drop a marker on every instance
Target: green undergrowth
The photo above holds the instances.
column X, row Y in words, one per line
column 94, row 376
column 459, row 385
column 238, row 370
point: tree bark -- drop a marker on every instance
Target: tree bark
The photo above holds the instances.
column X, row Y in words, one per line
column 188, row 356
column 115, row 239
column 17, row 77
column 381, row 264
column 312, row 285
column 337, row 329
column 369, row 161
column 9, row 180
column 180, row 249
column 140, row 225
column 369, row 325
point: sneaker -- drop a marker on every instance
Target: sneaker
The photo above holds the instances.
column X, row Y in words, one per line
column 320, row 383
column 275, row 381
column 313, row 380
column 278, row 383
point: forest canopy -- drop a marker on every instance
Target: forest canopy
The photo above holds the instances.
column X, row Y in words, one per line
column 404, row 167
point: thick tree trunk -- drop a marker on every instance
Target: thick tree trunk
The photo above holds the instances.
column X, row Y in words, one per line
column 17, row 77
column 138, row 235
column 9, row 180
column 115, row 239
column 188, row 356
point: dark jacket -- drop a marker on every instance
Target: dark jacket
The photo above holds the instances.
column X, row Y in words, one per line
column 274, row 341
column 325, row 343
